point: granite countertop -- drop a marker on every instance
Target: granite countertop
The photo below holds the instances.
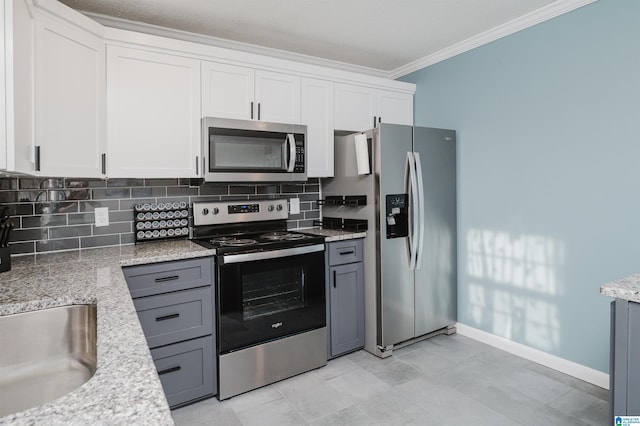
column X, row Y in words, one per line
column 125, row 388
column 627, row 288
column 334, row 234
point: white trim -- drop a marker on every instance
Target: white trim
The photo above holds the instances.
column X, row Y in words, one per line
column 571, row 368
column 523, row 22
column 143, row 27
column 545, row 13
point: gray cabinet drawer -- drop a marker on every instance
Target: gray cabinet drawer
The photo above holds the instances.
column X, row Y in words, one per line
column 342, row 252
column 169, row 318
column 186, row 370
column 156, row 278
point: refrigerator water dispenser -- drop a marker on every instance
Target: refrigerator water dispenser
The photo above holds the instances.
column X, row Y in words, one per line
column 397, row 221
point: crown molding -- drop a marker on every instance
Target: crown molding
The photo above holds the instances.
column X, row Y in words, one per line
column 125, row 24
column 545, row 13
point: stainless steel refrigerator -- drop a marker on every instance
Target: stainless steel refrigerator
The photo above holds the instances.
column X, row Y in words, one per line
column 410, row 248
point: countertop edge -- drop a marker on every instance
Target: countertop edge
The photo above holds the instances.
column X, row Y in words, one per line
column 627, row 288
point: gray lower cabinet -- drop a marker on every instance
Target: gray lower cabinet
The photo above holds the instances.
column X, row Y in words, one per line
column 175, row 305
column 345, row 296
column 624, row 373
column 185, row 370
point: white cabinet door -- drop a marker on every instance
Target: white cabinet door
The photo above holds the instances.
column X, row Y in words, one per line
column 18, row 56
column 394, row 107
column 317, row 115
column 69, row 99
column 227, row 91
column 3, row 95
column 153, row 111
column 355, row 107
column 277, row 97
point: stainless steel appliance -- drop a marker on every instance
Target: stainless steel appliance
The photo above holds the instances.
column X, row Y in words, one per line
column 253, row 151
column 270, row 291
column 410, row 248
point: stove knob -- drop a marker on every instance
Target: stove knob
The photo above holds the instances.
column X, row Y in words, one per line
column 279, row 208
column 205, row 211
column 270, row 207
column 216, row 210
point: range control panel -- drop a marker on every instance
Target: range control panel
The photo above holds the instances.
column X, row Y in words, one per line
column 222, row 212
column 244, row 208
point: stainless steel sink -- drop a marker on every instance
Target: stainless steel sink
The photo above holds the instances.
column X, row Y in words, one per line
column 45, row 354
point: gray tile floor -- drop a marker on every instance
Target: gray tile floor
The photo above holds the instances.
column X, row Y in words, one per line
column 443, row 380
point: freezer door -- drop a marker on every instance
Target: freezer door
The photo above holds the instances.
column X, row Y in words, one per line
column 396, row 289
column 436, row 274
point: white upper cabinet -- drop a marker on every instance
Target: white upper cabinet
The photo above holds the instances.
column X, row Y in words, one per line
column 153, row 113
column 360, row 108
column 227, row 91
column 394, row 107
column 231, row 91
column 16, row 96
column 3, row 96
column 278, row 97
column 355, row 107
column 69, row 73
column 317, row 115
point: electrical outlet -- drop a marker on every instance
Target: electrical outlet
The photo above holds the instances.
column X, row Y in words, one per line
column 294, row 205
column 102, row 216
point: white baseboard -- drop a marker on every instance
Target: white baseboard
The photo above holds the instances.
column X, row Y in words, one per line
column 571, row 368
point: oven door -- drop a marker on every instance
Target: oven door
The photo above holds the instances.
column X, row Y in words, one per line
column 267, row 295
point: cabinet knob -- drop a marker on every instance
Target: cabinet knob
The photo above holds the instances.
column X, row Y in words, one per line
column 270, row 208
column 279, row 207
column 205, row 211
column 216, row 210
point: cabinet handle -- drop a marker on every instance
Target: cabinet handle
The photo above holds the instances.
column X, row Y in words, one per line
column 374, row 121
column 252, row 110
column 379, row 119
column 37, row 158
column 104, row 163
column 258, row 110
column 343, row 253
column 197, row 166
column 164, row 279
column 167, row 317
column 169, row 370
column 334, row 279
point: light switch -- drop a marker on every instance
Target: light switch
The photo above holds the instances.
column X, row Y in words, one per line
column 294, row 205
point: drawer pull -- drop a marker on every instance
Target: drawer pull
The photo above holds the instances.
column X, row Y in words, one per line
column 167, row 317
column 343, row 253
column 169, row 370
column 164, row 279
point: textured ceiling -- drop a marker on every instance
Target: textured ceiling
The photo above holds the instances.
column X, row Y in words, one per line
column 378, row 34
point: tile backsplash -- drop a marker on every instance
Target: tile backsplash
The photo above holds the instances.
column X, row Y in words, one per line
column 53, row 214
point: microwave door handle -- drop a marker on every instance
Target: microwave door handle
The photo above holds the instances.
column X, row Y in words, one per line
column 292, row 152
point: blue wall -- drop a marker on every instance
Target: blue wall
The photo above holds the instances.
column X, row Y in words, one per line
column 549, row 175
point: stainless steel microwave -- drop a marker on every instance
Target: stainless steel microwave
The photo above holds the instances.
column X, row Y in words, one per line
column 253, row 151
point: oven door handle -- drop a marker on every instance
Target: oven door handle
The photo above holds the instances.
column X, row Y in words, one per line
column 271, row 254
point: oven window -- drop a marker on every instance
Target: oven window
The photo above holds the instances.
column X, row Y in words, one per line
column 273, row 291
column 259, row 301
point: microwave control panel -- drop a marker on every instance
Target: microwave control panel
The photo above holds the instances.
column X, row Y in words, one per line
column 299, row 164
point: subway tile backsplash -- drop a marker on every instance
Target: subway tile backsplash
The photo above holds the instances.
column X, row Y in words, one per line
column 54, row 214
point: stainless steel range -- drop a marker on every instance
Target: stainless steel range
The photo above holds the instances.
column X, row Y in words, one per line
column 270, row 315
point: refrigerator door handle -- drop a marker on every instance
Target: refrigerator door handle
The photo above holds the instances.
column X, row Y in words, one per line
column 421, row 211
column 413, row 193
